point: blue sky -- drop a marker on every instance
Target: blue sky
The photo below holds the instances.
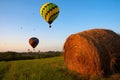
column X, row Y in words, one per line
column 21, row 20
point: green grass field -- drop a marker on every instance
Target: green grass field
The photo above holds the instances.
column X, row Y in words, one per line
column 42, row 69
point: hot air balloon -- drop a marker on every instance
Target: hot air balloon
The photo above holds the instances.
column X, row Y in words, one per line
column 33, row 42
column 49, row 12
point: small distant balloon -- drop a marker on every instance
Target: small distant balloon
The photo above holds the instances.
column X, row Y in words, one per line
column 49, row 12
column 21, row 28
column 33, row 42
column 33, row 13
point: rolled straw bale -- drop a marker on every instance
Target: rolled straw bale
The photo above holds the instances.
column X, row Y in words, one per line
column 93, row 52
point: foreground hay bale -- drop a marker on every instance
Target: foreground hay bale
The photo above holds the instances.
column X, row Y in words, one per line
column 93, row 52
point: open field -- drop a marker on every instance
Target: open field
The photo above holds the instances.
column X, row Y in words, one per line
column 43, row 69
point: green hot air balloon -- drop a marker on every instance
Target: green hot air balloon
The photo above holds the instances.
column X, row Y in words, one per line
column 49, row 12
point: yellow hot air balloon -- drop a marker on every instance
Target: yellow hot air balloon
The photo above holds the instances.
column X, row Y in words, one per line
column 49, row 12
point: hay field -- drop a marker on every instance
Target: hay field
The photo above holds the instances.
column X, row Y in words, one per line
column 43, row 69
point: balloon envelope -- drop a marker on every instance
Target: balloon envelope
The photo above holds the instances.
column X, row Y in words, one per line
column 49, row 12
column 33, row 42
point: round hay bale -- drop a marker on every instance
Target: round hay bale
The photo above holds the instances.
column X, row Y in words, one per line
column 93, row 52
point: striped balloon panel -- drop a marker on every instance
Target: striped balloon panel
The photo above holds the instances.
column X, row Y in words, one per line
column 43, row 9
column 49, row 12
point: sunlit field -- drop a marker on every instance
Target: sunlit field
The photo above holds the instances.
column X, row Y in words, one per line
column 38, row 69
column 52, row 68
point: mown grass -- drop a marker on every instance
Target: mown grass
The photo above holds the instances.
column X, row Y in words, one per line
column 42, row 69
